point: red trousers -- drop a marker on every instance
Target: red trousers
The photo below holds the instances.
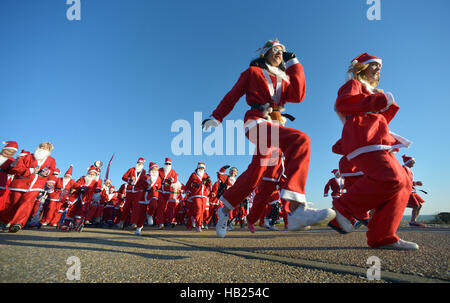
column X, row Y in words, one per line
column 161, row 208
column 152, row 199
column 295, row 146
column 385, row 187
column 130, row 199
column 50, row 211
column 95, row 211
column 21, row 205
column 108, row 213
column 137, row 208
column 171, row 211
column 266, row 190
column 197, row 210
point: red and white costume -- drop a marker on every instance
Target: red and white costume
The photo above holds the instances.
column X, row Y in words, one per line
column 261, row 88
column 168, row 178
column 197, row 186
column 366, row 142
column 79, row 199
column 336, row 185
column 5, row 179
column 152, row 192
column 414, row 199
column 109, row 200
column 26, row 185
column 136, row 186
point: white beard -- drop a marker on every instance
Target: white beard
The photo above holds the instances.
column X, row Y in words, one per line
column 232, row 179
column 139, row 168
column 3, row 159
column 88, row 179
column 200, row 173
column 41, row 154
column 278, row 72
column 167, row 169
column 66, row 181
column 154, row 174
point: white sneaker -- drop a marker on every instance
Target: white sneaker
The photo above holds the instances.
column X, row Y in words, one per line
column 273, row 227
column 138, row 231
column 304, row 216
column 344, row 223
column 266, row 223
column 221, row 226
column 150, row 220
column 401, row 245
column 230, row 227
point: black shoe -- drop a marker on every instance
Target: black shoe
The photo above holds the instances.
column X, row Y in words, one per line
column 15, row 228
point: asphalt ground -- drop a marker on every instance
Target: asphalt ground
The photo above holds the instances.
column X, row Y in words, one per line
column 176, row 255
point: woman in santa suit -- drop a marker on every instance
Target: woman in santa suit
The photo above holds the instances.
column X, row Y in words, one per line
column 270, row 82
column 368, row 144
column 415, row 201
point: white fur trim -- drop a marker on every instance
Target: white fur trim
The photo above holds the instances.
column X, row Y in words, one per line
column 226, row 203
column 373, row 60
column 292, row 62
column 292, row 196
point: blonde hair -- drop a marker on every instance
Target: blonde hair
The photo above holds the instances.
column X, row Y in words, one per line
column 355, row 72
column 46, row 145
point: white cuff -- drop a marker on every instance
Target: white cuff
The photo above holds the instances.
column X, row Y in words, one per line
column 292, row 62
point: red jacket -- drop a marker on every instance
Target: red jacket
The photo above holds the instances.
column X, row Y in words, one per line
column 139, row 183
column 152, row 188
column 5, row 169
column 366, row 116
column 197, row 186
column 87, row 195
column 336, row 188
column 24, row 179
column 254, row 84
column 167, row 181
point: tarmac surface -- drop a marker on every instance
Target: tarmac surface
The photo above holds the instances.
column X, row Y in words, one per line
column 176, row 255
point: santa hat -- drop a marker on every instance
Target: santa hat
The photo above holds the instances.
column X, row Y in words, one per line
column 23, row 153
column 56, row 172
column 93, row 168
column 69, row 171
column 223, row 169
column 365, row 58
column 407, row 159
column 201, row 165
column 10, row 145
column 268, row 45
column 334, row 171
column 151, row 165
column 141, row 160
column 168, row 161
column 112, row 187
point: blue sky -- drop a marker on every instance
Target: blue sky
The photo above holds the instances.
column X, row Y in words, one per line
column 115, row 81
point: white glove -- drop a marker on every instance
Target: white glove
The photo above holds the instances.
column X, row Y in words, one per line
column 390, row 101
column 206, row 124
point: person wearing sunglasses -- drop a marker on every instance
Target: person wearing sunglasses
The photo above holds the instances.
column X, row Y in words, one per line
column 271, row 81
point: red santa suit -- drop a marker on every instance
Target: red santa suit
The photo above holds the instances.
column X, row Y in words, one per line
column 118, row 207
column 137, row 184
column 366, row 142
column 414, row 199
column 83, row 192
column 167, row 179
column 5, row 179
column 261, row 88
column 197, row 185
column 214, row 202
column 336, row 185
column 173, row 203
column 267, row 191
column 29, row 180
column 152, row 192
column 53, row 204
column 109, row 201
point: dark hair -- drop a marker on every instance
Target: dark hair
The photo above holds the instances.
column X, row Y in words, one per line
column 261, row 62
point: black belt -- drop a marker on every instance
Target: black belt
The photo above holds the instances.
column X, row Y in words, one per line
column 261, row 108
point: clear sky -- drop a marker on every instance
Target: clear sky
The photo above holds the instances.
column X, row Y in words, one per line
column 116, row 80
